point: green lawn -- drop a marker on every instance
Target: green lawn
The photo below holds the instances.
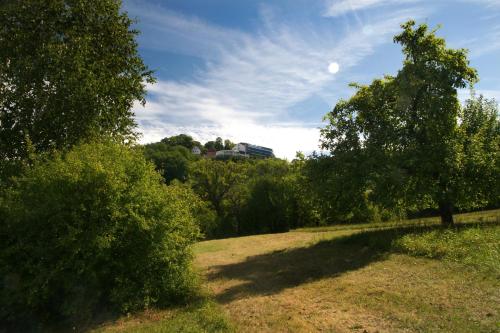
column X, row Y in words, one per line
column 410, row 276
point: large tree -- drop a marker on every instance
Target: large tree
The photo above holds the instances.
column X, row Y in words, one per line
column 403, row 132
column 69, row 70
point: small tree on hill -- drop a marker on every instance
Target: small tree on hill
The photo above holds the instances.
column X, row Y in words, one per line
column 181, row 140
column 218, row 144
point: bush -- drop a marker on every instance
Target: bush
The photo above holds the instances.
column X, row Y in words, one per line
column 91, row 230
column 205, row 216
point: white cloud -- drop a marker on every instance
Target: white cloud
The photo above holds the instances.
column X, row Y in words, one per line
column 251, row 81
column 488, row 43
column 286, row 140
column 174, row 32
column 341, row 7
column 464, row 94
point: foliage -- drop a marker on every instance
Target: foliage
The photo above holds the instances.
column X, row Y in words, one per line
column 266, row 210
column 171, row 161
column 228, row 145
column 201, row 210
column 251, row 196
column 475, row 247
column 304, row 204
column 219, row 144
column 89, row 231
column 214, row 181
column 480, row 133
column 69, row 71
column 398, row 139
column 336, row 193
column 183, row 140
column 268, row 206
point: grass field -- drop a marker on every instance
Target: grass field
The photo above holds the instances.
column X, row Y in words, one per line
column 406, row 277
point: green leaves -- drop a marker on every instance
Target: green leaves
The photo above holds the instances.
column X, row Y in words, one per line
column 94, row 228
column 402, row 134
column 69, row 71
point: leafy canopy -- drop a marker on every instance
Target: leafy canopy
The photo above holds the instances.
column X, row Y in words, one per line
column 69, row 71
column 402, row 134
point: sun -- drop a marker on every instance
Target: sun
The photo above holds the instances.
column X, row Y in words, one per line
column 333, row 67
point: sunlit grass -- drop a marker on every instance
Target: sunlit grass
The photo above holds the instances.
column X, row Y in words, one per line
column 475, row 247
column 200, row 316
column 400, row 276
column 465, row 218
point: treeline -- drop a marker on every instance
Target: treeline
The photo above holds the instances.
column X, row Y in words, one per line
column 241, row 196
column 400, row 146
column 360, row 184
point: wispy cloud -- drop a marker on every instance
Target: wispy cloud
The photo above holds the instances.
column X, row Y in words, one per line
column 481, row 44
column 465, row 94
column 341, row 7
column 488, row 3
column 175, row 32
column 251, row 81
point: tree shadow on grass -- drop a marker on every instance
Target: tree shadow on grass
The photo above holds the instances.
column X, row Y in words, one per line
column 273, row 272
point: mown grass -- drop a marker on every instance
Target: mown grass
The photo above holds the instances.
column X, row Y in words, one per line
column 410, row 276
column 200, row 316
column 356, row 278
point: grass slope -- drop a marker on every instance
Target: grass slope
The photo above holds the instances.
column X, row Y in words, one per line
column 405, row 277
column 201, row 316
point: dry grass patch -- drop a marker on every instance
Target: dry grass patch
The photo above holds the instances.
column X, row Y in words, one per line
column 335, row 279
column 344, row 281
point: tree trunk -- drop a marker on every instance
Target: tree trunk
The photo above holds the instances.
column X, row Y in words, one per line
column 446, row 213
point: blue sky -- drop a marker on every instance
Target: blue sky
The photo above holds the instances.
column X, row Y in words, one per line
column 266, row 72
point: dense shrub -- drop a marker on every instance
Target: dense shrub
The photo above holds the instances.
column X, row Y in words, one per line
column 171, row 162
column 268, row 208
column 91, row 230
column 205, row 216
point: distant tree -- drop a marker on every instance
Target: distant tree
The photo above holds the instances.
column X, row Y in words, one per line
column 402, row 133
column 171, row 161
column 210, row 145
column 252, row 196
column 270, row 204
column 213, row 180
column 228, row 145
column 69, row 71
column 181, row 140
column 305, row 201
column 218, row 144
